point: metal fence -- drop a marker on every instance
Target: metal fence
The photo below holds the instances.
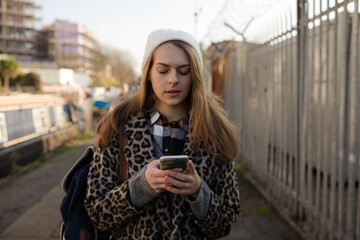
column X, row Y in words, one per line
column 293, row 89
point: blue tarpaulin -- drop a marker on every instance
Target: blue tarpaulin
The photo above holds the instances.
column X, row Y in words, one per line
column 101, row 104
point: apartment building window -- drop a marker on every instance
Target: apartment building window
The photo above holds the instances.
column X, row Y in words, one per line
column 28, row 45
column 3, row 131
column 29, row 11
column 72, row 36
column 29, row 34
column 69, row 48
column 62, row 35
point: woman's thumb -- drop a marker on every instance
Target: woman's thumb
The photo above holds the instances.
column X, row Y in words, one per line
column 190, row 166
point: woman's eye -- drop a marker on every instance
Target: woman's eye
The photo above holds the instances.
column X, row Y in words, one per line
column 163, row 71
column 184, row 71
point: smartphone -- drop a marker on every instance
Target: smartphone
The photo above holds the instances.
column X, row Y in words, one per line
column 174, row 161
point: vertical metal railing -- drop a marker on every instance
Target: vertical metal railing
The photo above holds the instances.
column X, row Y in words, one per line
column 294, row 92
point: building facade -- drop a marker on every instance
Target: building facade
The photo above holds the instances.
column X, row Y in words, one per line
column 69, row 44
column 17, row 28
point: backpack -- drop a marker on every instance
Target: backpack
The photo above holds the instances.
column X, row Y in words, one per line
column 76, row 223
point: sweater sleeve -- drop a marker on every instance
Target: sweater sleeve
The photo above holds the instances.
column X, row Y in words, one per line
column 140, row 191
column 224, row 205
column 200, row 206
column 107, row 202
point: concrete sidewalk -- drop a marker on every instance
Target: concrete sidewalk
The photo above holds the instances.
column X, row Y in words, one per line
column 259, row 221
column 39, row 222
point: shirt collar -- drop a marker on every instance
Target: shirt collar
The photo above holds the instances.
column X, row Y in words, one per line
column 155, row 116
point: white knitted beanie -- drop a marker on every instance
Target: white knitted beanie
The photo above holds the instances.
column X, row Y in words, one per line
column 158, row 37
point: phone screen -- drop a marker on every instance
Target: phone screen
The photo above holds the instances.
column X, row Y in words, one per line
column 174, row 161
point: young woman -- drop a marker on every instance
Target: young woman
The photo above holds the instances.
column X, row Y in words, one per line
column 172, row 113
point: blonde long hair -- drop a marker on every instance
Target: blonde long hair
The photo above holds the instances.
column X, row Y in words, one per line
column 208, row 121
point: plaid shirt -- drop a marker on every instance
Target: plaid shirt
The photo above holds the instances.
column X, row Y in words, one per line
column 169, row 137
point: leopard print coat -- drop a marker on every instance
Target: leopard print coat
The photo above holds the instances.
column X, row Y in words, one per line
column 109, row 207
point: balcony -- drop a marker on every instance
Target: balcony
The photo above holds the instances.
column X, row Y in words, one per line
column 17, row 38
column 26, row 25
column 17, row 13
column 17, row 50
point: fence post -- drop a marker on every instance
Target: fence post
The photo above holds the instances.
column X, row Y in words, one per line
column 301, row 106
column 299, row 17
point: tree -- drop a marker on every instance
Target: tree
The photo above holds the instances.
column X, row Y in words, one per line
column 121, row 65
column 32, row 79
column 115, row 67
column 101, row 62
column 8, row 69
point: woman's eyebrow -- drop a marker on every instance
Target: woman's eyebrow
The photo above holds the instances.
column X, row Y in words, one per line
column 184, row 65
column 167, row 65
column 163, row 64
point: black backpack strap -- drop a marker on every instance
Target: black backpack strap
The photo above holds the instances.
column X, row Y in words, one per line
column 122, row 158
column 122, row 166
column 75, row 219
column 83, row 160
column 76, row 223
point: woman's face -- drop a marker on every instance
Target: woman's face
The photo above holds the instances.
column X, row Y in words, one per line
column 170, row 77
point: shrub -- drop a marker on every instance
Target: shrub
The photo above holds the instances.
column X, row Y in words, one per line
column 29, row 79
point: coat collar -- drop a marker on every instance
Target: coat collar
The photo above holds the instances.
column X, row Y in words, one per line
column 139, row 124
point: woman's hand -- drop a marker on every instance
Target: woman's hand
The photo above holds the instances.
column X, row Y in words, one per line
column 185, row 182
column 155, row 177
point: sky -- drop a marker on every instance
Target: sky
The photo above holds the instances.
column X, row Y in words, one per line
column 125, row 24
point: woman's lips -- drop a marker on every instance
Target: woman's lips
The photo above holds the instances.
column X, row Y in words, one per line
column 173, row 93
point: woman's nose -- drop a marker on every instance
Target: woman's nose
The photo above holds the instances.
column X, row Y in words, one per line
column 173, row 77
